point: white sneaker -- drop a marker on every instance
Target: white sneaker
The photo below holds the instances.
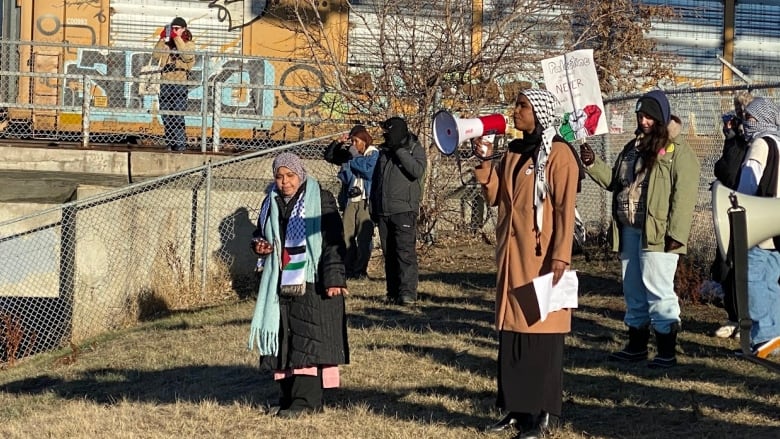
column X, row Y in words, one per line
column 728, row 330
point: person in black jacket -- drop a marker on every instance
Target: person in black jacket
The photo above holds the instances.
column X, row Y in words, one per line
column 299, row 323
column 395, row 203
column 727, row 170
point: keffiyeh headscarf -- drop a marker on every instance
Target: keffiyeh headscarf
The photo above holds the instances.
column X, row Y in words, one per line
column 767, row 119
column 547, row 109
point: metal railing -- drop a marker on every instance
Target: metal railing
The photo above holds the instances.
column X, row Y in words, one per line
column 109, row 94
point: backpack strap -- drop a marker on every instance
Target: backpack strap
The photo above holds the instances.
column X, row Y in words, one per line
column 767, row 187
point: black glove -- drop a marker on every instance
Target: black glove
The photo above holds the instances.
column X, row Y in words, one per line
column 587, row 155
column 393, row 146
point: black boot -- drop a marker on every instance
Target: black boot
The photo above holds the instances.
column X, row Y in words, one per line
column 540, row 428
column 305, row 396
column 512, row 420
column 636, row 349
column 667, row 346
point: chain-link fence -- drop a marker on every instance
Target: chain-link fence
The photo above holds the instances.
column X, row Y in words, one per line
column 700, row 111
column 86, row 94
column 106, row 261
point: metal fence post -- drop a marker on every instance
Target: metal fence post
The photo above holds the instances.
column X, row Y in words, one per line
column 85, row 108
column 217, row 117
column 204, row 105
column 205, row 234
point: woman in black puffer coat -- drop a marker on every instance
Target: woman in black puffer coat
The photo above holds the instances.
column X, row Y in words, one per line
column 299, row 324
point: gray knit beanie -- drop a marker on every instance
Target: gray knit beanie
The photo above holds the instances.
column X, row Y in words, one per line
column 291, row 162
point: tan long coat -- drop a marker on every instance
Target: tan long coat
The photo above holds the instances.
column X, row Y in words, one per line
column 516, row 307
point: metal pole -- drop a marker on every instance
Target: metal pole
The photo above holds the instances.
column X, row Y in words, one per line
column 729, row 21
column 205, row 233
column 85, row 108
column 204, row 107
column 217, row 118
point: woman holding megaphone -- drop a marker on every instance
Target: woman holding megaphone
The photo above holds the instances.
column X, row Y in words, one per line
column 534, row 186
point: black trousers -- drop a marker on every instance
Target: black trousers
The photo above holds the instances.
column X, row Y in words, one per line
column 723, row 274
column 530, row 373
column 398, row 235
column 301, row 392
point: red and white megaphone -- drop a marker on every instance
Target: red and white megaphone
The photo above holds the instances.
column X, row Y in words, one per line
column 450, row 131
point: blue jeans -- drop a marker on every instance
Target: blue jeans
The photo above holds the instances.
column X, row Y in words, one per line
column 763, row 294
column 648, row 284
column 173, row 97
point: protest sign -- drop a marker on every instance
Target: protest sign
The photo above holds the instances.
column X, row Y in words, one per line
column 572, row 79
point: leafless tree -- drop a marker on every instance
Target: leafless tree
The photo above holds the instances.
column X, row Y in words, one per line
column 411, row 57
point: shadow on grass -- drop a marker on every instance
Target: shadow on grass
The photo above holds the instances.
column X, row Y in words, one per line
column 480, row 280
column 642, row 411
column 393, row 404
column 636, row 405
column 223, row 384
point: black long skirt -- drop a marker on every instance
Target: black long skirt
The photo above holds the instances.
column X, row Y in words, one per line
column 530, row 372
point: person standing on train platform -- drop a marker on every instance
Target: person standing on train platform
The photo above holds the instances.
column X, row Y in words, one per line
column 174, row 52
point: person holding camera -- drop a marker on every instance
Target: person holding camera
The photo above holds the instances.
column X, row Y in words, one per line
column 357, row 158
column 760, row 176
column 174, row 53
column 395, row 204
column 727, row 170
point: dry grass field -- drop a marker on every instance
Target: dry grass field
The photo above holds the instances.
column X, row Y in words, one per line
column 425, row 371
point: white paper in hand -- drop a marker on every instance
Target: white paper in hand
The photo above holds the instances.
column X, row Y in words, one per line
column 562, row 295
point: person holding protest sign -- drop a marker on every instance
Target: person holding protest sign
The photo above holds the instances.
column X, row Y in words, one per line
column 534, row 235
column 654, row 184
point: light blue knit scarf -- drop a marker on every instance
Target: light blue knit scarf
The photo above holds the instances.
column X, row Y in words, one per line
column 264, row 330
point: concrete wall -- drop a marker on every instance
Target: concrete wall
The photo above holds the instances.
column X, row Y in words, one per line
column 52, row 175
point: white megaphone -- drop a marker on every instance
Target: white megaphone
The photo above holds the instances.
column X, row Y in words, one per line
column 761, row 217
column 450, row 131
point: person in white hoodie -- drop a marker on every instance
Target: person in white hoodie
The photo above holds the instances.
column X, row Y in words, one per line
column 357, row 158
column 760, row 176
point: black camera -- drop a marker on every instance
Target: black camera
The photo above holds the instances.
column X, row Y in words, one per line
column 354, row 191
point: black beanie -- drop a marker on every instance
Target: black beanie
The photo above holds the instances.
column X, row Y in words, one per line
column 650, row 107
column 396, row 130
column 178, row 21
column 656, row 105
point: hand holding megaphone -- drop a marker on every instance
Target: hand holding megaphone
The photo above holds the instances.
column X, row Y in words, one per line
column 483, row 147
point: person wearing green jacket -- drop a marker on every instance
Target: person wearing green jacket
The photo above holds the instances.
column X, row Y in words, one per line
column 654, row 184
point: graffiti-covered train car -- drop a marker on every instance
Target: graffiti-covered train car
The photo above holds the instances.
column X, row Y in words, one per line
column 272, row 83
